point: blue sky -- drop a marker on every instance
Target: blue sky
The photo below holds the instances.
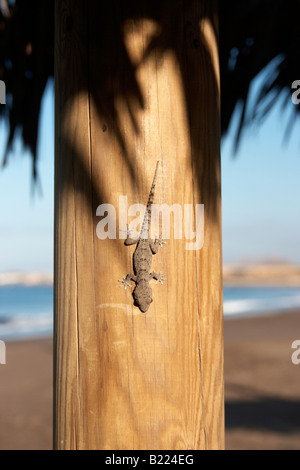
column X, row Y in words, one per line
column 260, row 196
column 26, row 219
column 261, row 192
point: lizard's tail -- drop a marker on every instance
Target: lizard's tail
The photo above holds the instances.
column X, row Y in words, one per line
column 147, row 218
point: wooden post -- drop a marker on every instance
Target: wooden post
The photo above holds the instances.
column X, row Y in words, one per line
column 136, row 82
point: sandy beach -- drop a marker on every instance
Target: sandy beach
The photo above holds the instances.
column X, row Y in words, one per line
column 26, row 396
column 262, row 387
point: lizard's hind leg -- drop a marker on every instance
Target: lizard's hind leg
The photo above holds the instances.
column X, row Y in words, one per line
column 125, row 281
column 158, row 277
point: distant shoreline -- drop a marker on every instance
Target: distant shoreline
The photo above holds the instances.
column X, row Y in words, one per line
column 276, row 274
column 261, row 283
column 35, row 278
column 264, row 274
column 236, row 275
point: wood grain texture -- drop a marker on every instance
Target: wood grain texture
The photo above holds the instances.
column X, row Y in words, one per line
column 136, row 82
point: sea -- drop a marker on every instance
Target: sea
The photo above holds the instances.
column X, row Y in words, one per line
column 26, row 312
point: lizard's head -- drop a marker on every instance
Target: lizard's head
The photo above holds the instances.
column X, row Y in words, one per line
column 142, row 295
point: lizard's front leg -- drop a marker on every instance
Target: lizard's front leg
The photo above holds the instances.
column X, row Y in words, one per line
column 129, row 240
column 159, row 277
column 125, row 281
column 154, row 245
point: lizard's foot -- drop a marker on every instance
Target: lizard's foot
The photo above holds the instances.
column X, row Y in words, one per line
column 127, row 232
column 159, row 240
column 124, row 283
column 129, row 240
column 161, row 278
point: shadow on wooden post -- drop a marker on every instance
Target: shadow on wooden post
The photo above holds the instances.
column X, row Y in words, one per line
column 136, row 82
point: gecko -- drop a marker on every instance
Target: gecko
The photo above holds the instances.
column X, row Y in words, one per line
column 142, row 258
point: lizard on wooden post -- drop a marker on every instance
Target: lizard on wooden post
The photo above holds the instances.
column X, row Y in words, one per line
column 142, row 258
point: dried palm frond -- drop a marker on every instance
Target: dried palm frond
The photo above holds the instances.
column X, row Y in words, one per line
column 26, row 63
